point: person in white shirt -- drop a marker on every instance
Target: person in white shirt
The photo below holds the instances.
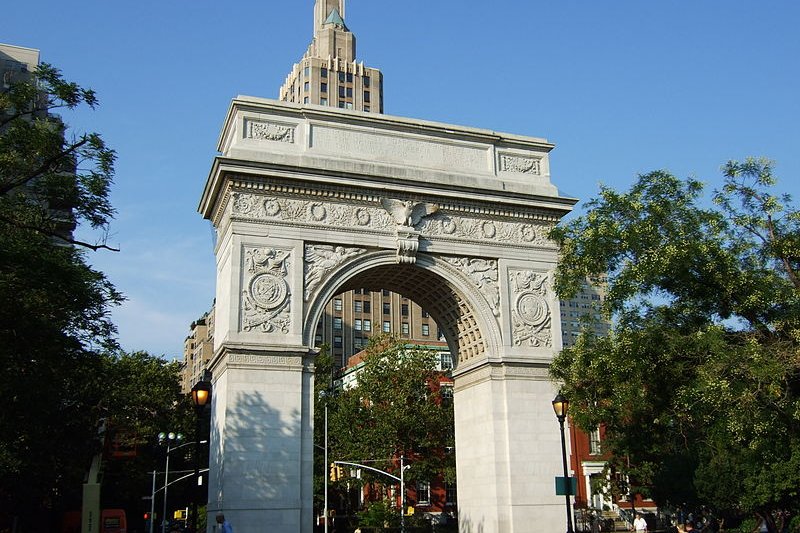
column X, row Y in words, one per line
column 639, row 524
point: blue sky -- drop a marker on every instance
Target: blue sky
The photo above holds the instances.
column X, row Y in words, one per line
column 620, row 86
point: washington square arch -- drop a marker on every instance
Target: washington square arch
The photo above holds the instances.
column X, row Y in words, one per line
column 308, row 202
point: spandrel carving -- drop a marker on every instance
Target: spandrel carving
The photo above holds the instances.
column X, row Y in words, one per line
column 266, row 296
column 530, row 310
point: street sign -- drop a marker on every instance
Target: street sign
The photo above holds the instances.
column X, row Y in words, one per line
column 561, row 486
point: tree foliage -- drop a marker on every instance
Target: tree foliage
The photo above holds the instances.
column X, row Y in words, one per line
column 395, row 409
column 48, row 181
column 698, row 384
column 61, row 372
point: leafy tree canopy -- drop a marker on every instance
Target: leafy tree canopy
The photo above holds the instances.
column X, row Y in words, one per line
column 395, row 409
column 698, row 384
column 61, row 372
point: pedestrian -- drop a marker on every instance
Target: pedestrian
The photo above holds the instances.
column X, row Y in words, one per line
column 224, row 525
column 688, row 527
column 640, row 524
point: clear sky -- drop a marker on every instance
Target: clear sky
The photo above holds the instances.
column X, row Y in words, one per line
column 620, row 86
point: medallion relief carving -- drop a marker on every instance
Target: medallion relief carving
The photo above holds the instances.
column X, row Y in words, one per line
column 484, row 274
column 321, row 259
column 269, row 131
column 520, row 164
column 530, row 310
column 266, row 296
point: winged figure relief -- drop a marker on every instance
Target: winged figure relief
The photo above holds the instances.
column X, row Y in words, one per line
column 407, row 212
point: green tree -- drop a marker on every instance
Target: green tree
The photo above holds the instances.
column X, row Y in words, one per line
column 61, row 373
column 395, row 409
column 698, row 383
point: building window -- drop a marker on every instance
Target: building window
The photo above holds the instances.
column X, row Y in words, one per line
column 348, row 105
column 358, row 342
column 341, row 77
column 405, row 328
column 306, row 72
column 387, row 327
column 349, row 92
column 446, row 360
column 318, row 339
column 425, row 314
column 337, row 341
column 367, row 325
column 323, row 87
column 341, row 104
column 366, row 81
column 305, row 99
column 357, row 324
column 358, row 306
column 423, row 492
column 323, row 101
column 594, row 442
column 450, row 495
column 426, row 330
column 349, row 77
column 440, row 334
column 366, row 108
column 365, row 291
column 404, row 309
column 337, row 304
column 323, row 72
column 366, row 96
column 306, row 86
column 446, row 391
column 337, row 323
column 367, row 307
column 387, row 308
column 386, row 292
column 341, row 91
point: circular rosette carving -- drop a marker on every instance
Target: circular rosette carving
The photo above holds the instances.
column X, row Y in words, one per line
column 532, row 308
column 268, row 290
column 362, row 216
column 318, row 212
column 272, row 207
column 243, row 204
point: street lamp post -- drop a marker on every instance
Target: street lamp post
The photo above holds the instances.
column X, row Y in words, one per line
column 169, row 438
column 201, row 396
column 561, row 406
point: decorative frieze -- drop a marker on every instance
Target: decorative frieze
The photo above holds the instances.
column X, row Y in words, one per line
column 264, row 360
column 520, row 164
column 321, row 259
column 315, row 213
column 269, row 131
column 374, row 217
column 266, row 293
column 530, row 310
column 484, row 274
column 482, row 230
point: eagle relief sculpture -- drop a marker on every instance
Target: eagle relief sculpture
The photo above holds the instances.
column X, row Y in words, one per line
column 407, row 214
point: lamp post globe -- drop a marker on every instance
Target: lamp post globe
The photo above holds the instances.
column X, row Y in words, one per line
column 201, row 397
column 561, row 407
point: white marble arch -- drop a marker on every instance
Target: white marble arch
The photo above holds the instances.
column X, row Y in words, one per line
column 308, row 202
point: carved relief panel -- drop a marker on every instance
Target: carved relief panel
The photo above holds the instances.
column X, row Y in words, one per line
column 266, row 294
column 483, row 273
column 531, row 313
column 320, row 259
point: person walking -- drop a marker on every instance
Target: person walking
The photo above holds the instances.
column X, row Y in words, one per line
column 223, row 525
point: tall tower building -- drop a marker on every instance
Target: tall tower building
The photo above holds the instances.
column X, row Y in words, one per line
column 329, row 74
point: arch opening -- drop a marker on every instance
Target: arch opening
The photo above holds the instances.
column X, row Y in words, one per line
column 440, row 290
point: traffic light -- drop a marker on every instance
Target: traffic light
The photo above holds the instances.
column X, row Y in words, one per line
column 146, row 516
column 334, row 472
column 339, row 472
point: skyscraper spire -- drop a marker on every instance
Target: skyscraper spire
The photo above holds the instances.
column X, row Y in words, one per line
column 328, row 74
